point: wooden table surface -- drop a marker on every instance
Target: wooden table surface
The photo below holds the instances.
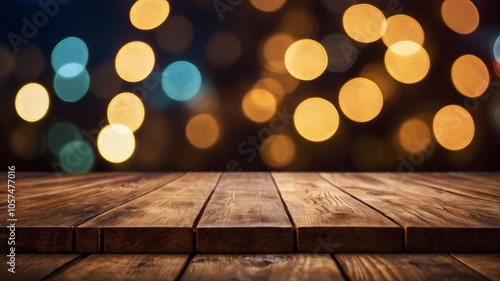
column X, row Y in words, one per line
column 256, row 226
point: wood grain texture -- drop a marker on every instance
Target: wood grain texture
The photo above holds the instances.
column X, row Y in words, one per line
column 329, row 220
column 486, row 264
column 159, row 222
column 46, row 221
column 35, row 267
column 405, row 267
column 435, row 220
column 477, row 187
column 277, row 267
column 245, row 215
column 108, row 267
column 51, row 184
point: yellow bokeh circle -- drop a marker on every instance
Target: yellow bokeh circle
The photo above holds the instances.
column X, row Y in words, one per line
column 316, row 119
column 32, row 102
column 135, row 61
column 453, row 127
column 149, row 14
column 126, row 109
column 306, row 59
column 360, row 99
column 364, row 23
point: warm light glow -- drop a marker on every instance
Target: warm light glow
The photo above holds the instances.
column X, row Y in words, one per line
column 135, row 61
column 268, row 5
column 414, row 135
column 175, row 35
column 273, row 52
column 306, row 59
column 403, row 28
column 149, row 14
column 364, row 23
column 361, row 100
column 202, row 131
column 460, row 16
column 272, row 86
column 407, row 62
column 126, row 109
column 453, row 127
column 116, row 143
column 470, row 76
column 259, row 105
column 316, row 119
column 32, row 102
column 278, row 151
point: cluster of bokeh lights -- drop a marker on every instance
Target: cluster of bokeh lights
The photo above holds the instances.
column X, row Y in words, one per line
column 289, row 57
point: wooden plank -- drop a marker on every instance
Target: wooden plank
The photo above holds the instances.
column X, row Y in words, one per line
column 262, row 267
column 35, row 267
column 459, row 183
column 435, row 220
column 486, row 264
column 124, row 267
column 46, row 221
column 329, row 220
column 245, row 215
column 52, row 184
column 404, row 267
column 159, row 222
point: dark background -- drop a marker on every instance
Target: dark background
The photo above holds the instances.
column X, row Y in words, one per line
column 105, row 27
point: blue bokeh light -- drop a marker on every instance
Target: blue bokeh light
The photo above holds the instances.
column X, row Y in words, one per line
column 181, row 80
column 496, row 49
column 77, row 157
column 71, row 89
column 72, row 51
column 60, row 134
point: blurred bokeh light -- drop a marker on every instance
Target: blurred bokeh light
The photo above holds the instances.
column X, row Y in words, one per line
column 316, row 119
column 135, row 61
column 32, row 102
column 470, row 76
column 202, row 131
column 306, row 59
column 460, row 16
column 126, row 109
column 407, row 62
column 181, row 80
column 278, row 151
column 364, row 23
column 159, row 85
column 360, row 99
column 149, row 14
column 259, row 105
column 116, row 143
column 403, row 28
column 453, row 127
